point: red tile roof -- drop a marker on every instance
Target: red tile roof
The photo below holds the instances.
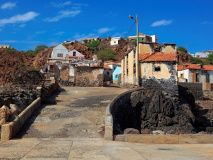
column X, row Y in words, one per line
column 189, row 66
column 51, row 63
column 158, row 57
column 208, row 67
column 143, row 56
column 94, row 66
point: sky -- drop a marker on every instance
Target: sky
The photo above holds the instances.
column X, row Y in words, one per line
column 26, row 24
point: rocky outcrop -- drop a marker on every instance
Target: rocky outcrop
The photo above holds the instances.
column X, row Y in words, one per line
column 157, row 110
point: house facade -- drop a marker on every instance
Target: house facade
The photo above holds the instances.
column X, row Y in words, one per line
column 61, row 52
column 4, row 46
column 196, row 73
column 156, row 69
column 203, row 54
column 115, row 41
column 116, row 74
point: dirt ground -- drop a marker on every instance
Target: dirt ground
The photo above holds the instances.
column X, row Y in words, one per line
column 78, row 113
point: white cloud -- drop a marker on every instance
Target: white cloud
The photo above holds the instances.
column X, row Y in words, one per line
column 22, row 25
column 20, row 18
column 8, row 5
column 161, row 23
column 104, row 30
column 206, row 22
column 63, row 14
column 61, row 5
column 59, row 33
column 40, row 32
column 52, row 44
column 14, row 41
column 117, row 34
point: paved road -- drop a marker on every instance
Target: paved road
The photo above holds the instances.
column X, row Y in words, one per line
column 78, row 113
column 73, row 129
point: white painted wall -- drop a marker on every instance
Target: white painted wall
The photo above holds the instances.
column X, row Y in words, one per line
column 115, row 41
column 78, row 54
column 185, row 74
column 154, row 38
column 59, row 49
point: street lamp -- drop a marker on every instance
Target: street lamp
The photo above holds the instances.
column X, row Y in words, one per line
column 137, row 49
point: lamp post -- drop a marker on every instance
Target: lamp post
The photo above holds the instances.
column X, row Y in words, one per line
column 137, row 49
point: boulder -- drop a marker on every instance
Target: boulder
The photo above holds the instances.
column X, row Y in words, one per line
column 4, row 114
column 131, row 131
column 146, row 131
column 14, row 110
column 158, row 132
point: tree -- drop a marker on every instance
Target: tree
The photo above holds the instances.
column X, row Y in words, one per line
column 182, row 49
column 30, row 52
column 39, row 48
column 93, row 45
column 210, row 58
column 106, row 54
column 85, row 41
column 196, row 60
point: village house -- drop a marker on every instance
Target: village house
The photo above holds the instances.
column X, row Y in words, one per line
column 156, row 69
column 145, row 38
column 116, row 76
column 196, row 73
column 4, row 46
column 203, row 54
column 115, row 41
column 72, row 68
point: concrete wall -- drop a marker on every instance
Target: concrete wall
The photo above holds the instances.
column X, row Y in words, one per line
column 194, row 88
column 112, row 108
column 9, row 130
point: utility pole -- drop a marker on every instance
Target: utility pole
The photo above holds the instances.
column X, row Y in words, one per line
column 137, row 53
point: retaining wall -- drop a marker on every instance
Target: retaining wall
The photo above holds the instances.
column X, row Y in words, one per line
column 9, row 130
column 111, row 109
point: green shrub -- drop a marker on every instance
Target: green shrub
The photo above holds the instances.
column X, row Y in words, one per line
column 182, row 49
column 21, row 64
column 93, row 45
column 106, row 54
column 10, row 50
column 32, row 68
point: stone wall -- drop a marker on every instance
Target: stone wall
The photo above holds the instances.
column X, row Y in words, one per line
column 194, row 88
column 153, row 110
column 166, row 79
column 84, row 76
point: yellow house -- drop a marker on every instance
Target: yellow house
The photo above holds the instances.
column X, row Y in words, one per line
column 156, row 69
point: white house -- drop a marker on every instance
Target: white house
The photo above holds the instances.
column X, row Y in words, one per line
column 154, row 38
column 59, row 52
column 196, row 73
column 203, row 54
column 115, row 41
column 62, row 52
column 75, row 54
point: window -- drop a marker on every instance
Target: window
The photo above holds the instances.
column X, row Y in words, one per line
column 116, row 76
column 197, row 77
column 108, row 73
column 181, row 75
column 207, row 78
column 60, row 55
column 74, row 53
column 157, row 69
column 114, row 41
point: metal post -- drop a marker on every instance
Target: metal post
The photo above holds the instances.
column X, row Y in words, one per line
column 137, row 54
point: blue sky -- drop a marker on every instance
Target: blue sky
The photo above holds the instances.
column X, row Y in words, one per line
column 25, row 24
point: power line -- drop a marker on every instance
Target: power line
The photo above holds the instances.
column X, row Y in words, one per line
column 130, row 29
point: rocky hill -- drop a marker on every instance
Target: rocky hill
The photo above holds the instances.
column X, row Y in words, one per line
column 11, row 61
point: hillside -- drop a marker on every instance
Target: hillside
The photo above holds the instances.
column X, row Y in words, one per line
column 10, row 63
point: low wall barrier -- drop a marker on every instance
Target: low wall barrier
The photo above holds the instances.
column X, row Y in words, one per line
column 10, row 129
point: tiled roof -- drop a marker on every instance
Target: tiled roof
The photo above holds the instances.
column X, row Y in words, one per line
column 158, row 57
column 189, row 66
column 208, row 67
column 143, row 56
column 94, row 66
column 51, row 63
column 75, row 57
